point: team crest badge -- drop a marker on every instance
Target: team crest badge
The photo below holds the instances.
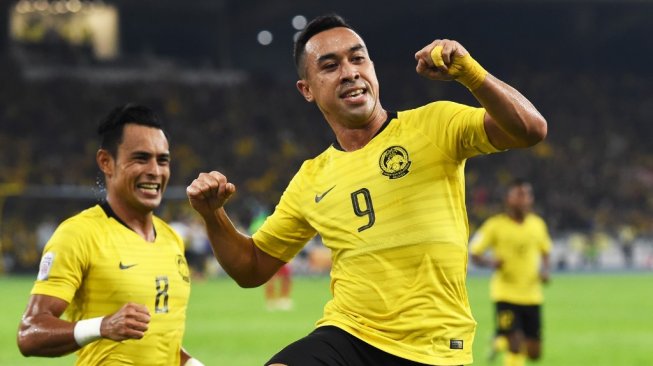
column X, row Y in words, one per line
column 394, row 162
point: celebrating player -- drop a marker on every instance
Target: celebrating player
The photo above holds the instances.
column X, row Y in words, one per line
column 115, row 271
column 387, row 199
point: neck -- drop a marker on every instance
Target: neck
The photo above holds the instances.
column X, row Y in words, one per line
column 140, row 222
column 517, row 215
column 355, row 138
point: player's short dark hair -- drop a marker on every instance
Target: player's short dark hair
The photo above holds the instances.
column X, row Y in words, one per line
column 111, row 127
column 515, row 183
column 315, row 26
column 519, row 181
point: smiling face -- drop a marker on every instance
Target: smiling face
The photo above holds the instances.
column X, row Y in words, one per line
column 340, row 77
column 137, row 176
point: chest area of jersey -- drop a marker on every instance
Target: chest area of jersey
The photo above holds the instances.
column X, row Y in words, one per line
column 518, row 239
column 399, row 174
column 126, row 267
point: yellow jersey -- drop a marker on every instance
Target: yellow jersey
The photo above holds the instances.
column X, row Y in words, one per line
column 519, row 246
column 97, row 264
column 393, row 214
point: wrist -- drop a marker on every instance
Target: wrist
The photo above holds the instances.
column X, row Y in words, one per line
column 472, row 74
column 464, row 69
column 87, row 331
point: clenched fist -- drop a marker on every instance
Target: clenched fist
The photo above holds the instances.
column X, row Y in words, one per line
column 209, row 192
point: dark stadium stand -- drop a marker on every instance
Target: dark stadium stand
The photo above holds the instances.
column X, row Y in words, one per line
column 587, row 72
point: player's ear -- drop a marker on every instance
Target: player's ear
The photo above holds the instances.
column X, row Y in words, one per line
column 305, row 90
column 104, row 161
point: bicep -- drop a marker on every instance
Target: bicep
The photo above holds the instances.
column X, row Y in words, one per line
column 267, row 265
column 41, row 308
column 41, row 332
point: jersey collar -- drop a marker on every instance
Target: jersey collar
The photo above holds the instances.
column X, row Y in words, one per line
column 111, row 214
column 391, row 116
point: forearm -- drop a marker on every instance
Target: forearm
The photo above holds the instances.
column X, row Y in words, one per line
column 46, row 336
column 512, row 112
column 235, row 251
column 483, row 261
column 545, row 267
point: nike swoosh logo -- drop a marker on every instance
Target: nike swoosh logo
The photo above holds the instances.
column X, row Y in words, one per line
column 318, row 197
column 126, row 266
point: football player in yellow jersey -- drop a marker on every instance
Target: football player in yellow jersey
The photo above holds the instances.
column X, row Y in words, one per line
column 113, row 283
column 387, row 198
column 520, row 245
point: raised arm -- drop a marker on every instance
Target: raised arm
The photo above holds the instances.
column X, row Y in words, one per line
column 42, row 333
column 236, row 252
column 511, row 120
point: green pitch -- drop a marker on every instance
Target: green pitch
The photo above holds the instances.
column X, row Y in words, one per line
column 590, row 319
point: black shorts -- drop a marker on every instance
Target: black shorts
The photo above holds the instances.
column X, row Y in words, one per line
column 512, row 317
column 332, row 346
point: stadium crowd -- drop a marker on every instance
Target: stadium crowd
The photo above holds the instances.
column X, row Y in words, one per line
column 592, row 174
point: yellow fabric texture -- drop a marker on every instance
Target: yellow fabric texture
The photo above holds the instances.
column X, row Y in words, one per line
column 99, row 265
column 393, row 214
column 520, row 247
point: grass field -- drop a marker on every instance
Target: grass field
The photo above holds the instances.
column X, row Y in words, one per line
column 590, row 320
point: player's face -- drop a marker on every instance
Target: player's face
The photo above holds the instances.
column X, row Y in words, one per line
column 520, row 198
column 141, row 169
column 340, row 77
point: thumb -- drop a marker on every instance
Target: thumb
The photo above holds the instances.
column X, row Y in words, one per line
column 229, row 190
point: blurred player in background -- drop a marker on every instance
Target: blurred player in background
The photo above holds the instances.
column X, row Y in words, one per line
column 388, row 200
column 116, row 272
column 520, row 245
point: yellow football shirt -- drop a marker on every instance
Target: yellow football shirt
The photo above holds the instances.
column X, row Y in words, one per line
column 520, row 247
column 393, row 214
column 97, row 264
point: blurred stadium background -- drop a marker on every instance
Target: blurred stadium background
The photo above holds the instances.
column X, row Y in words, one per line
column 220, row 72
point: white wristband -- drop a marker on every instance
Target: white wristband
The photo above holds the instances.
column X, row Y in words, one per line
column 193, row 362
column 87, row 331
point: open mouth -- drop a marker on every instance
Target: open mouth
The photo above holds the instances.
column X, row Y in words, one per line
column 353, row 93
column 150, row 188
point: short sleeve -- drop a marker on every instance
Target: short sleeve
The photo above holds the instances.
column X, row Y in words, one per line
column 63, row 263
column 457, row 129
column 547, row 243
column 481, row 240
column 286, row 231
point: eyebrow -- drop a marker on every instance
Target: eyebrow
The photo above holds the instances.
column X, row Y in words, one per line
column 139, row 154
column 332, row 55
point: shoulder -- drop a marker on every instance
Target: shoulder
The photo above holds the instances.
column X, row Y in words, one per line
column 536, row 219
column 85, row 221
column 496, row 220
column 310, row 167
column 539, row 223
column 163, row 228
column 78, row 234
column 438, row 108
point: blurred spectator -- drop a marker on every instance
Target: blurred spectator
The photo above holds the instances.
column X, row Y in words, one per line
column 595, row 167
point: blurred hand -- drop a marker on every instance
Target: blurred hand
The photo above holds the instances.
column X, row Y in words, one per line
column 496, row 264
column 130, row 322
column 209, row 192
column 544, row 276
